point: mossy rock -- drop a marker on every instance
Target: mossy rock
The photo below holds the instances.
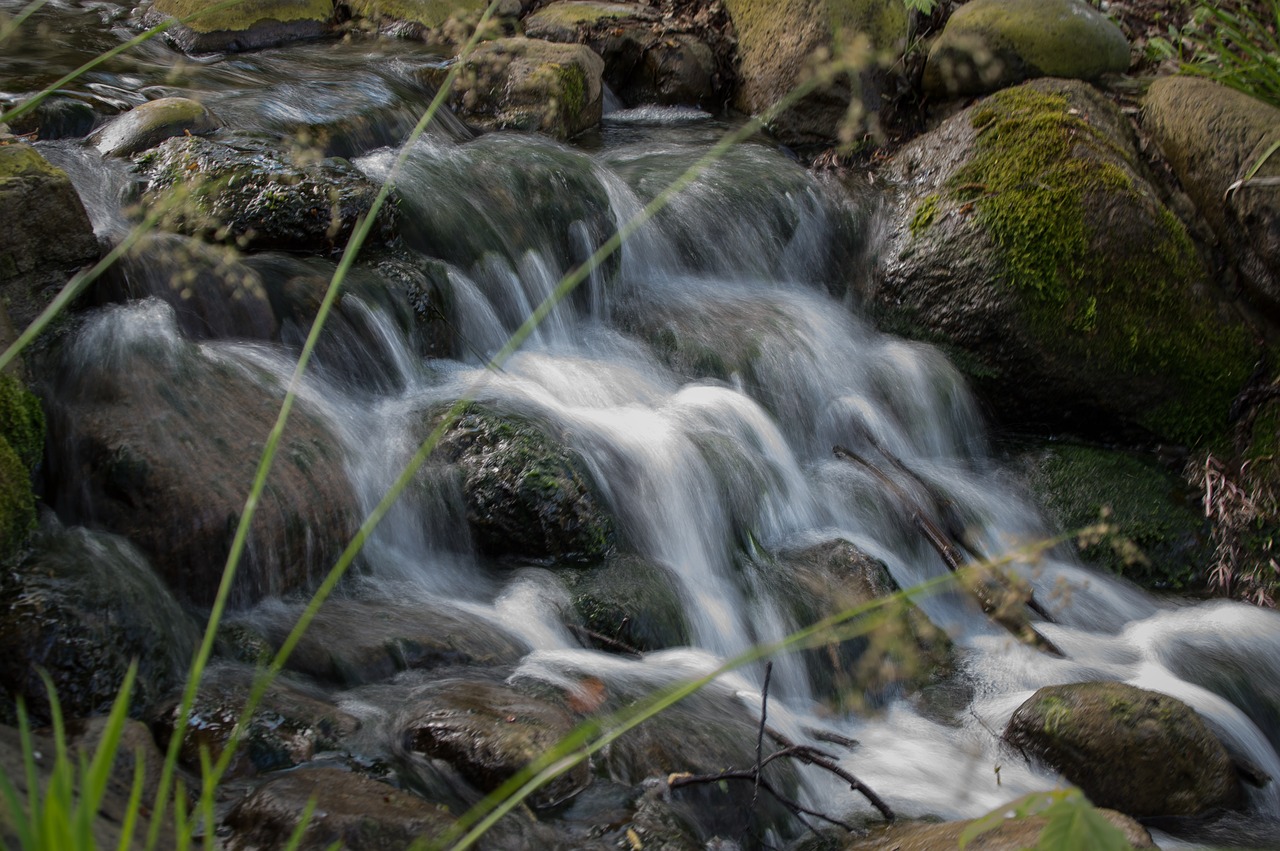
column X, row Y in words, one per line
column 527, row 496
column 1160, row 540
column 17, row 501
column 987, row 45
column 21, row 449
column 427, row 17
column 1029, row 244
column 567, row 20
column 629, row 601
column 149, row 124
column 776, row 40
column 210, row 27
column 1013, row 834
column 1137, row 751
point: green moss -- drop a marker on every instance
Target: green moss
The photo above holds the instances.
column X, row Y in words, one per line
column 243, row 15
column 23, row 161
column 574, row 14
column 21, row 421
column 1035, row 167
column 17, row 503
column 429, row 13
column 573, row 90
column 926, row 212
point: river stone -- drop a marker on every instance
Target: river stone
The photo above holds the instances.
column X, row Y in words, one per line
column 628, row 603
column 489, row 731
column 56, row 118
column 776, row 42
column 149, row 124
column 158, row 439
column 987, row 45
column 351, row 810
column 351, row 642
column 256, row 197
column 1212, row 136
column 1029, row 246
column 1013, row 834
column 531, row 85
column 206, row 26
column 291, row 723
column 526, row 495
column 46, row 234
column 82, row 606
column 1137, row 751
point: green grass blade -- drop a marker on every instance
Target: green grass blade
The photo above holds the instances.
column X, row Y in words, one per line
column 10, row 26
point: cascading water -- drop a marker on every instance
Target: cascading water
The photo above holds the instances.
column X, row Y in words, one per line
column 703, row 376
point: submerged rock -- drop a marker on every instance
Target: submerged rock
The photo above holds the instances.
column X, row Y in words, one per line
column 1030, row 247
column 205, row 26
column 987, row 45
column 255, row 197
column 149, row 124
column 628, row 603
column 1137, row 751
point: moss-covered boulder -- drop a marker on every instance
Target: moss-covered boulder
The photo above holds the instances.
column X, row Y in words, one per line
column 526, row 494
column 1137, row 751
column 441, row 22
column 21, row 449
column 1030, row 247
column 256, row 197
column 351, row 810
column 987, row 45
column 1159, row 539
column 206, row 26
column 46, row 234
column 1015, row 833
column 150, row 123
column 628, row 603
column 82, row 606
column 531, row 85
column 777, row 40
column 1213, row 136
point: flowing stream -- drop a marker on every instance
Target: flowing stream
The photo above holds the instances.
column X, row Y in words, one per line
column 703, row 376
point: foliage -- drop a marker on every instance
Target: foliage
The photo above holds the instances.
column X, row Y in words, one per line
column 1072, row 822
column 1243, row 509
column 1237, row 45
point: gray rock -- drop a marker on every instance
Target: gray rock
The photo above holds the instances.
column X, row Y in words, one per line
column 149, row 124
column 208, row 27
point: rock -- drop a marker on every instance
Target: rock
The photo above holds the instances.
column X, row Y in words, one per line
column 1161, row 541
column 209, row 27
column 290, row 725
column 137, row 745
column 778, row 38
column 531, row 85
column 351, row 810
column 1029, row 247
column 82, row 606
column 254, row 197
column 525, row 494
column 149, row 124
column 570, row 20
column 1212, row 136
column 441, row 22
column 1013, row 834
column 158, row 440
column 21, row 450
column 988, row 45
column 630, row 603
column 57, row 118
column 681, row 70
column 351, row 642
column 46, row 234
column 489, row 731
column 1137, row 751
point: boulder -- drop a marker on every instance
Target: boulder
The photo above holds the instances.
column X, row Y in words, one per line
column 628, row 603
column 531, row 85
column 987, row 45
column 82, row 606
column 1213, row 136
column 526, row 495
column 204, row 26
column 776, row 42
column 440, row 22
column 149, row 124
column 1137, row 751
column 46, row 234
column 158, row 440
column 1029, row 246
column 56, row 117
column 351, row 810
column 1013, row 834
column 255, row 197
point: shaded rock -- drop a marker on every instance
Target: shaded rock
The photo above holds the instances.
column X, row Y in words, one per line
column 1149, row 506
column 57, row 118
column 137, row 745
column 352, row 642
column 679, row 69
column 607, row 815
column 351, row 810
column 1030, row 248
column 776, row 41
column 82, row 606
column 253, row 196
column 290, row 725
column 158, row 439
column 149, row 124
column 1014, row 834
column 987, row 45
column 531, row 85
column 526, row 495
column 1212, row 136
column 631, row 602
column 489, row 731
column 209, row 27
column 1144, row 753
column 21, row 450
column 46, row 234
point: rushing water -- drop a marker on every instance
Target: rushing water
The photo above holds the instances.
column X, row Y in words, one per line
column 710, row 459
